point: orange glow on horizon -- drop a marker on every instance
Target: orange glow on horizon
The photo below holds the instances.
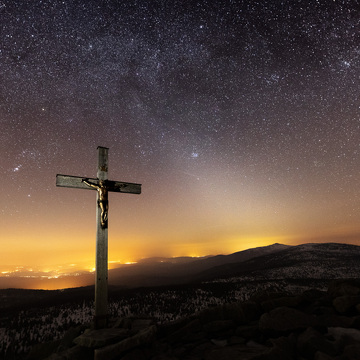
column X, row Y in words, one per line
column 51, row 255
column 80, row 255
column 76, row 275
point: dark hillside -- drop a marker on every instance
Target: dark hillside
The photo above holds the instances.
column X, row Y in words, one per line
column 167, row 272
column 323, row 261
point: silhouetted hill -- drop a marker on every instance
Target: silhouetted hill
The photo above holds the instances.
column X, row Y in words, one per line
column 322, row 261
column 167, row 271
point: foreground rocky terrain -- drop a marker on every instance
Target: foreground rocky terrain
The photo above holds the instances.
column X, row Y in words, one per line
column 30, row 317
column 320, row 325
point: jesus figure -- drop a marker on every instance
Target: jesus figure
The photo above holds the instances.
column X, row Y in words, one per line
column 102, row 200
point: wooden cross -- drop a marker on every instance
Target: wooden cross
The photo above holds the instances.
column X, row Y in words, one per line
column 103, row 186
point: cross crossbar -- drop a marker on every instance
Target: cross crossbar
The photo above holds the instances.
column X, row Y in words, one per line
column 113, row 186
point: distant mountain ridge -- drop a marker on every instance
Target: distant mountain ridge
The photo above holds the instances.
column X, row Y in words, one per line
column 277, row 261
column 307, row 261
column 217, row 259
column 166, row 272
column 172, row 260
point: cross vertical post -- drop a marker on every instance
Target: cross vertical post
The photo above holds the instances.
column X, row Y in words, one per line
column 103, row 186
column 101, row 261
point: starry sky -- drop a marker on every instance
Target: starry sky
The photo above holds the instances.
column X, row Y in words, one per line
column 241, row 120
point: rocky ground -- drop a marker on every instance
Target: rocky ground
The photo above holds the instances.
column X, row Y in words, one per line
column 319, row 325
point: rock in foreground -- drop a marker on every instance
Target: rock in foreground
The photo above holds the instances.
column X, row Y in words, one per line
column 314, row 325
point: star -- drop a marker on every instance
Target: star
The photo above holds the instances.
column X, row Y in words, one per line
column 258, row 99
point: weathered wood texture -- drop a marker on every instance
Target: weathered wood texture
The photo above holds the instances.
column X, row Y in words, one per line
column 74, row 182
column 101, row 260
column 112, row 186
column 123, row 187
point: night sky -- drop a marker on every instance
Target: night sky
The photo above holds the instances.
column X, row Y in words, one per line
column 241, row 120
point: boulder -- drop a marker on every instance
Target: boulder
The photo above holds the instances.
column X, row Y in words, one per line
column 102, row 337
column 344, row 287
column 310, row 341
column 195, row 351
column 247, row 331
column 352, row 352
column 317, row 309
column 232, row 352
column 345, row 303
column 345, row 335
column 220, row 342
column 283, row 348
column 335, row 321
column 122, row 323
column 109, row 352
column 289, row 301
column 76, row 352
column 322, row 356
column 136, row 354
column 140, row 324
column 172, row 326
column 235, row 340
column 185, row 332
column 356, row 322
column 210, row 314
column 68, row 339
column 313, row 295
column 241, row 312
column 219, row 325
column 284, row 319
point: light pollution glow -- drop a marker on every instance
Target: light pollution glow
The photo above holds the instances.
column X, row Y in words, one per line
column 239, row 119
column 218, row 223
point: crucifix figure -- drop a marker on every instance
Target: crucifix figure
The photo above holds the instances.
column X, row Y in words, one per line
column 103, row 187
column 103, row 201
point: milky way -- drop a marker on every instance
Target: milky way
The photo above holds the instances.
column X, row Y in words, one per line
column 240, row 119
